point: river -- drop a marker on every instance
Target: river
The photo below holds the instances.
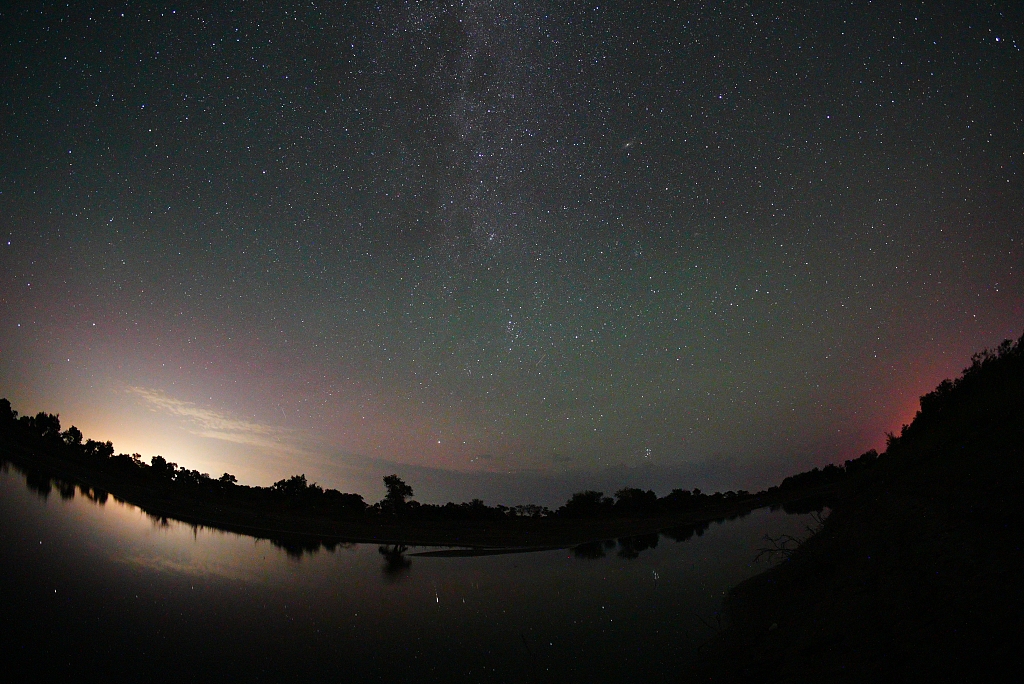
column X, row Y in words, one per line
column 98, row 588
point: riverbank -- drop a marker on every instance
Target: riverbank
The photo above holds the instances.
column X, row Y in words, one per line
column 916, row 576
column 918, row 573
column 480, row 536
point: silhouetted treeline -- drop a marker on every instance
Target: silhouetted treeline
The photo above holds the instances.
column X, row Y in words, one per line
column 42, row 433
column 917, row 573
column 982, row 406
column 631, row 502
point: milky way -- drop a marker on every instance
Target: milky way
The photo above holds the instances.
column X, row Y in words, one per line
column 676, row 245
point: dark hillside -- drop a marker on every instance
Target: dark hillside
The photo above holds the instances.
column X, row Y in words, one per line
column 918, row 574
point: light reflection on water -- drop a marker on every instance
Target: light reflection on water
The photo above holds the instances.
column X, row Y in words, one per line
column 106, row 588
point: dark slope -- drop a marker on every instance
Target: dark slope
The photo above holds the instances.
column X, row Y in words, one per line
column 918, row 573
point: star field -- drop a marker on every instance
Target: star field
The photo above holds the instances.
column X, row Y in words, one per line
column 688, row 243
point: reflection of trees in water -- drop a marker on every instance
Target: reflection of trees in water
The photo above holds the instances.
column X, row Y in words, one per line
column 396, row 565
column 735, row 515
column 39, row 483
column 595, row 549
column 97, row 496
column 682, row 533
column 43, row 483
column 158, row 520
column 297, row 547
column 65, row 489
column 630, row 547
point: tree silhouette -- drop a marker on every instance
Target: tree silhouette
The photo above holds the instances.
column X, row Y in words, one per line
column 398, row 492
column 295, row 485
column 162, row 468
column 633, row 501
column 586, row 504
column 72, row 436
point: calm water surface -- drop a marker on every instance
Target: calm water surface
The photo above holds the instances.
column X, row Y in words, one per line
column 102, row 589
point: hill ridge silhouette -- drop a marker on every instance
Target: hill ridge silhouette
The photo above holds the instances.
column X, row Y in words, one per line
column 918, row 573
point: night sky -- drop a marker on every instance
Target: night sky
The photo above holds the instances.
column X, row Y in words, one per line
column 506, row 249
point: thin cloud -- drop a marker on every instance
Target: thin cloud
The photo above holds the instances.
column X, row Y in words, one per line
column 214, row 425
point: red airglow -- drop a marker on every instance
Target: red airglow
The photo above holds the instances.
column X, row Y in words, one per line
column 904, row 413
column 904, row 399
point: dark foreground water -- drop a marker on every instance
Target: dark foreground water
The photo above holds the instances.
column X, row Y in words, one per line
column 94, row 590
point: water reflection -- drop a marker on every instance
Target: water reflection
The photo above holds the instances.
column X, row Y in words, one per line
column 630, row 547
column 593, row 550
column 43, row 483
column 395, row 562
column 682, row 533
column 296, row 547
column 108, row 588
column 39, row 482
